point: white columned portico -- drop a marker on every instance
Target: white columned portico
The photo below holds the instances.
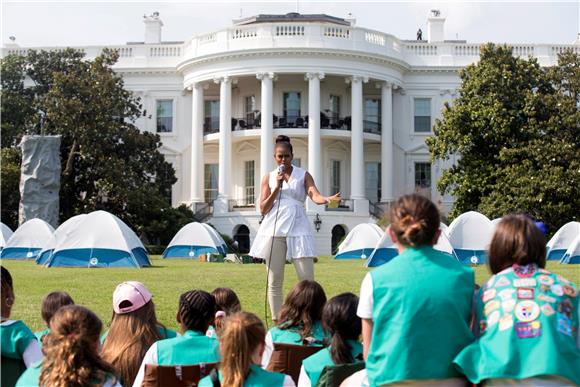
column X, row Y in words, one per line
column 197, row 175
column 387, row 157
column 267, row 123
column 357, row 182
column 314, row 148
column 225, row 145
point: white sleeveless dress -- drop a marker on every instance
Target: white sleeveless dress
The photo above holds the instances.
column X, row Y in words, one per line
column 292, row 221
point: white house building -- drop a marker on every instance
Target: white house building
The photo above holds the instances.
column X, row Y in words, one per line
column 356, row 103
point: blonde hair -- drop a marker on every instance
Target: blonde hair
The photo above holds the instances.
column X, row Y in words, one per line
column 71, row 350
column 129, row 338
column 243, row 333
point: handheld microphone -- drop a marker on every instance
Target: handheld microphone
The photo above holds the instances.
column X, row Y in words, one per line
column 281, row 169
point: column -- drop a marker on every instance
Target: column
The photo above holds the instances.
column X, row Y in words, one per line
column 314, row 149
column 267, row 124
column 225, row 145
column 357, row 184
column 387, row 157
column 197, row 175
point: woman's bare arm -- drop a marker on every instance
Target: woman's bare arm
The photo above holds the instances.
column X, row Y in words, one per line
column 267, row 196
column 314, row 194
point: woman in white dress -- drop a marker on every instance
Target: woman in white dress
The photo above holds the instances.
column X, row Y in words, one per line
column 284, row 191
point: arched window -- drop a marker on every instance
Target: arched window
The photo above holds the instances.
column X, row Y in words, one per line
column 338, row 233
column 242, row 236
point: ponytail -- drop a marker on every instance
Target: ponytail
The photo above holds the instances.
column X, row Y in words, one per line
column 341, row 322
column 244, row 332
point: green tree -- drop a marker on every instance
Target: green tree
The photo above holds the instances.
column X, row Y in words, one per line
column 516, row 128
column 107, row 163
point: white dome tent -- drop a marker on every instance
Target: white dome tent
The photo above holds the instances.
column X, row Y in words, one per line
column 193, row 240
column 562, row 240
column 99, row 239
column 360, row 242
column 27, row 240
column 58, row 237
column 572, row 255
column 470, row 234
column 5, row 234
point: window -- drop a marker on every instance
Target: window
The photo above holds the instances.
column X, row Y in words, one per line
column 422, row 115
column 335, row 176
column 250, row 196
column 296, row 162
column 373, row 182
column 212, row 116
column 372, row 115
column 291, row 107
column 165, row 116
column 211, row 182
column 334, row 111
column 250, row 108
column 423, row 176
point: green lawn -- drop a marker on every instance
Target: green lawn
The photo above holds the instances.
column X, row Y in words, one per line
column 167, row 279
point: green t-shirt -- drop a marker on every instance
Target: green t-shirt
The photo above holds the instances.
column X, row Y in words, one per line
column 422, row 302
column 313, row 365
column 15, row 338
column 529, row 322
column 191, row 348
column 292, row 335
column 257, row 377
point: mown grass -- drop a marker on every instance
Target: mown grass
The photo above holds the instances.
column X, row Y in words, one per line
column 167, row 279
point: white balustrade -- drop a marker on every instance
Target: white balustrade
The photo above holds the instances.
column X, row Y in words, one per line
column 337, row 32
column 290, row 30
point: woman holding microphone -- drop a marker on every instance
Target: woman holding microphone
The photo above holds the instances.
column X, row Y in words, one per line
column 285, row 232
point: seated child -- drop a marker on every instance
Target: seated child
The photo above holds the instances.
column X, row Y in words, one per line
column 227, row 303
column 50, row 304
column 19, row 346
column 528, row 316
column 195, row 315
column 71, row 353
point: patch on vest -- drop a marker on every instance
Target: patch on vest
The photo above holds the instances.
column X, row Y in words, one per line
column 527, row 311
column 525, row 293
column 526, row 330
column 557, row 289
column 545, row 279
column 524, row 283
column 506, row 322
column 565, row 325
column 502, row 281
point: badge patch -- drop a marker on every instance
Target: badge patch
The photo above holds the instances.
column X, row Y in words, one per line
column 545, row 288
column 506, row 322
column 544, row 271
column 545, row 298
column 557, row 289
column 565, row 325
column 506, row 294
column 526, row 330
column 547, row 309
column 508, row 305
column 493, row 318
column 490, row 307
column 565, row 307
column 562, row 279
column 524, row 271
column 525, row 294
column 489, row 294
column 489, row 283
column 527, row 311
column 482, row 326
column 545, row 279
column 502, row 281
column 570, row 291
column 524, row 282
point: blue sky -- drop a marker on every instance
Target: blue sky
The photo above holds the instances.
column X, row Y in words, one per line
column 50, row 23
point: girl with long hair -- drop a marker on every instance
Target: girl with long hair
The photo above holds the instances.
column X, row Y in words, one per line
column 339, row 319
column 227, row 303
column 300, row 319
column 71, row 353
column 134, row 328
column 241, row 346
column 523, row 310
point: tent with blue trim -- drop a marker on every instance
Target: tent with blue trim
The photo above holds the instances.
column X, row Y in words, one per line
column 5, row 234
column 99, row 239
column 360, row 242
column 193, row 240
column 562, row 240
column 59, row 235
column 572, row 255
column 470, row 234
column 27, row 240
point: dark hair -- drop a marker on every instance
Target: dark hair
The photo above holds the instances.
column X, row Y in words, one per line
column 415, row 220
column 339, row 319
column 6, row 280
column 227, row 300
column 516, row 240
column 53, row 302
column 196, row 310
column 303, row 307
column 283, row 141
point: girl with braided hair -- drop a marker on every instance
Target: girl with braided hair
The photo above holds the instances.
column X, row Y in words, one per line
column 71, row 353
column 242, row 345
column 195, row 315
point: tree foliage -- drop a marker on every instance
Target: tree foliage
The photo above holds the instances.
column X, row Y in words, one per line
column 516, row 128
column 107, row 163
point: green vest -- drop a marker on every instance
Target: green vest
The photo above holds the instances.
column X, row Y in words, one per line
column 165, row 333
column 15, row 337
column 191, row 348
column 39, row 335
column 421, row 311
column 31, row 377
column 529, row 319
column 292, row 335
column 257, row 377
column 313, row 365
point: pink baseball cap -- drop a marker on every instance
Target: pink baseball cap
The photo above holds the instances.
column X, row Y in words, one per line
column 132, row 295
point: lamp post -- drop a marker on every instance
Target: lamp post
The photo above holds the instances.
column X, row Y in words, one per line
column 317, row 222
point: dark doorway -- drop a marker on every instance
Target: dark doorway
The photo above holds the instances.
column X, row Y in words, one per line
column 242, row 236
column 338, row 233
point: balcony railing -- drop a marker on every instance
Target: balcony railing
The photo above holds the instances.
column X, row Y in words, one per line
column 344, row 205
column 246, row 204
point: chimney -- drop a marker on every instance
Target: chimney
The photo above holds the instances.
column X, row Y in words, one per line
column 153, row 26
column 435, row 27
column 351, row 19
